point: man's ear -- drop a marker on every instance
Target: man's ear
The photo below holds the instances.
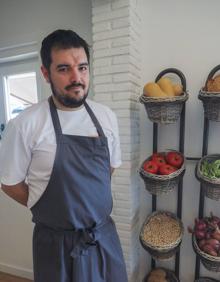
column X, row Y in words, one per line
column 45, row 73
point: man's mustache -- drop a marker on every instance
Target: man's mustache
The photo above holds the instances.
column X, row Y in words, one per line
column 74, row 84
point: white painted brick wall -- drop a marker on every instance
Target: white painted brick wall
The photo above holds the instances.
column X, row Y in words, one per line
column 122, row 95
column 122, row 41
column 123, row 59
column 102, row 45
column 121, row 22
column 117, row 84
column 123, row 86
column 112, row 69
column 103, row 26
column 99, row 79
column 121, row 50
column 119, row 4
column 102, row 62
column 103, row 97
column 111, row 34
column 113, row 14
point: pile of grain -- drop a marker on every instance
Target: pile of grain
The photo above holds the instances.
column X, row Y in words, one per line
column 161, row 230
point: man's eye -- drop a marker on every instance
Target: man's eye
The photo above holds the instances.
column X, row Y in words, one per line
column 83, row 68
column 62, row 69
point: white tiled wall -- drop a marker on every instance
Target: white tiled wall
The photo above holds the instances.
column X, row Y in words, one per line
column 117, row 84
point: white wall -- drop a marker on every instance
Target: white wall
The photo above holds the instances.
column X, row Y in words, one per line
column 25, row 21
column 184, row 35
column 21, row 22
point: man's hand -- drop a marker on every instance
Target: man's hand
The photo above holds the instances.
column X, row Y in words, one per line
column 18, row 192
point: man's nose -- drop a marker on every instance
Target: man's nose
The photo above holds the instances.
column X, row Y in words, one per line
column 75, row 76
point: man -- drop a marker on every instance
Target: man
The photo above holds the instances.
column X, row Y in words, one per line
column 58, row 158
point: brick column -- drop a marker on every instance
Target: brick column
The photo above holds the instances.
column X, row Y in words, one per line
column 116, row 69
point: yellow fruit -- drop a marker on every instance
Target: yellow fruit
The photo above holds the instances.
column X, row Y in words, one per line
column 166, row 85
column 178, row 89
column 152, row 89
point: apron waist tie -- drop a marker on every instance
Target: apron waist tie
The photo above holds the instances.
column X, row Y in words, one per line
column 87, row 238
column 91, row 237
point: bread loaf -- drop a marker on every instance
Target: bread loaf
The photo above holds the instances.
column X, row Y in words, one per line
column 213, row 84
column 152, row 89
column 178, row 89
column 166, row 85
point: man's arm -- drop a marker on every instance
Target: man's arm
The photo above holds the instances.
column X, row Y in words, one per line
column 18, row 192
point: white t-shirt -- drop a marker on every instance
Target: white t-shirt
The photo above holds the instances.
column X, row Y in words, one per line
column 28, row 147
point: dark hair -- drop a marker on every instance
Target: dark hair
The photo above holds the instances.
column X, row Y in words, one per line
column 61, row 39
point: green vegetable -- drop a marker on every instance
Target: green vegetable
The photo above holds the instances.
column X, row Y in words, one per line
column 211, row 169
column 217, row 168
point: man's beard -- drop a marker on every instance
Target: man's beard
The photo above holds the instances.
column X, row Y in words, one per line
column 67, row 101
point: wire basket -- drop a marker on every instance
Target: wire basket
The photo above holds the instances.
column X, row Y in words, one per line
column 210, row 100
column 161, row 184
column 206, row 279
column 168, row 109
column 211, row 263
column 166, row 251
column 211, row 187
column 170, row 275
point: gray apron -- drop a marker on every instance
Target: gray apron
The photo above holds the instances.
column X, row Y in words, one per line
column 75, row 239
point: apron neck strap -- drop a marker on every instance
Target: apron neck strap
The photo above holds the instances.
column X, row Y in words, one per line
column 55, row 118
column 56, row 121
column 94, row 119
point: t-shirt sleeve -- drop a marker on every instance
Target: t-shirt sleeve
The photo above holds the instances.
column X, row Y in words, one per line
column 115, row 155
column 14, row 156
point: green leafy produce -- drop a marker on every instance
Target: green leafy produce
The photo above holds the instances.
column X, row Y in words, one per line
column 211, row 169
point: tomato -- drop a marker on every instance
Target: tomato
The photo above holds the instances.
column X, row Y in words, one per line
column 151, row 167
column 175, row 159
column 166, row 169
column 159, row 159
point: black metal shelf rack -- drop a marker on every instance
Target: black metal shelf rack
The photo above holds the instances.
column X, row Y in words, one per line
column 180, row 186
column 210, row 114
column 202, row 196
column 206, row 125
column 181, row 149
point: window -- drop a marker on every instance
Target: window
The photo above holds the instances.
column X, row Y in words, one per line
column 20, row 93
column 19, row 87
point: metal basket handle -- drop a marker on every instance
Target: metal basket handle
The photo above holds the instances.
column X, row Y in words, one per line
column 175, row 71
column 211, row 74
